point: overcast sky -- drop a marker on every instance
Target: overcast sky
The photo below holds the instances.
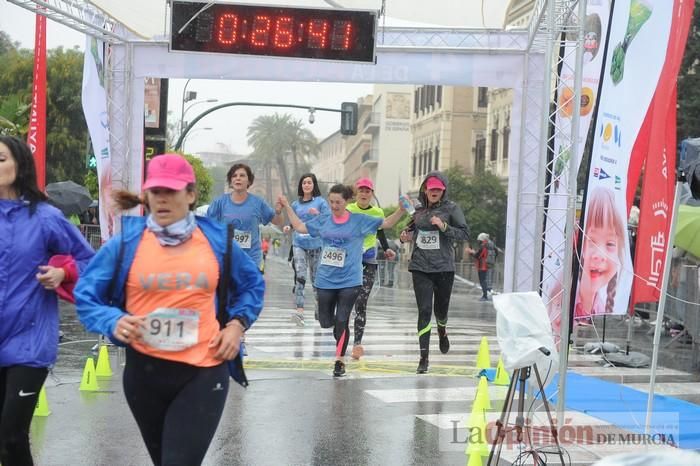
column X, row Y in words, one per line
column 229, row 126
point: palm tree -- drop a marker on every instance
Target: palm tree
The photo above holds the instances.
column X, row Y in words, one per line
column 273, row 137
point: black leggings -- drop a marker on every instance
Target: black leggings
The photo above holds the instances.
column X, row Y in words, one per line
column 334, row 308
column 176, row 406
column 431, row 288
column 19, row 391
column 369, row 272
column 483, row 281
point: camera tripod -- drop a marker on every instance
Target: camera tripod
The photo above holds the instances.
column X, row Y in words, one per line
column 520, row 376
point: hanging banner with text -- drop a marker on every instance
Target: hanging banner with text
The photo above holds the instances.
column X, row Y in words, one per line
column 595, row 35
column 658, row 187
column 36, row 136
column 94, row 99
column 636, row 54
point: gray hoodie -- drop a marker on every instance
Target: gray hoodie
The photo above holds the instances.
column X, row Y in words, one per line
column 426, row 256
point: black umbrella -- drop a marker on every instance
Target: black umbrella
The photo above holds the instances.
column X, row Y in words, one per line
column 69, row 196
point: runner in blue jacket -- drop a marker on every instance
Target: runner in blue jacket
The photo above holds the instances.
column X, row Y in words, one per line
column 31, row 232
column 155, row 288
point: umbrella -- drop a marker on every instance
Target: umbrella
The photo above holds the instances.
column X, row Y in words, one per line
column 688, row 229
column 69, row 196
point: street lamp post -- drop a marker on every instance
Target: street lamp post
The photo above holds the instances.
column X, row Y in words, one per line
column 192, row 132
column 185, row 98
column 182, row 117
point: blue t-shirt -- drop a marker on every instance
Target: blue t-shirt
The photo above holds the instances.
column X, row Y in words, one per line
column 305, row 240
column 246, row 218
column 344, row 240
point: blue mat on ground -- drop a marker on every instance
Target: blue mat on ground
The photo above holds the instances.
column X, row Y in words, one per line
column 626, row 407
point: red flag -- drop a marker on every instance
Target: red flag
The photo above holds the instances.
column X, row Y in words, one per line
column 36, row 137
column 658, row 187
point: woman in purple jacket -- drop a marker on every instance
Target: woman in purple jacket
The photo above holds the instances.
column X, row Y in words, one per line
column 31, row 232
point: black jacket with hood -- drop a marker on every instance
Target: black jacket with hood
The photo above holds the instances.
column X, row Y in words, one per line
column 443, row 259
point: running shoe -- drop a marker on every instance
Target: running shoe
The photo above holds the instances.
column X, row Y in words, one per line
column 422, row 366
column 444, row 342
column 357, row 351
column 298, row 318
column 339, row 369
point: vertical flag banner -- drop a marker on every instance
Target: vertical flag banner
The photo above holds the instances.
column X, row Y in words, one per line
column 658, row 188
column 36, row 137
column 636, row 55
column 94, row 99
column 595, row 37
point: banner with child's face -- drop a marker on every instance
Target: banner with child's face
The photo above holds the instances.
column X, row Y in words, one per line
column 554, row 248
column 635, row 56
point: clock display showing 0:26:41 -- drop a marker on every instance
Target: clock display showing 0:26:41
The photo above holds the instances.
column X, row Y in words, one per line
column 283, row 32
column 274, row 31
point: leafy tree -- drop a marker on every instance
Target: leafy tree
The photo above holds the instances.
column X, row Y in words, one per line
column 483, row 200
column 66, row 135
column 6, row 43
column 204, row 180
column 273, row 137
column 689, row 83
column 90, row 182
column 394, row 232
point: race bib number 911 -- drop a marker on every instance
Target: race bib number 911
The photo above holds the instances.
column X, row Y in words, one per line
column 171, row 329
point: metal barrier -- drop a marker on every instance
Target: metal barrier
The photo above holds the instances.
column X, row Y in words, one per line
column 92, row 234
column 396, row 274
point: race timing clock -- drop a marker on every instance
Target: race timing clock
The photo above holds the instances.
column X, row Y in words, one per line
column 274, row 31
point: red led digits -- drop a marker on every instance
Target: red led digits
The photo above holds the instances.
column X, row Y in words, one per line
column 318, row 34
column 284, row 32
column 342, row 35
column 290, row 32
column 228, row 27
column 261, row 31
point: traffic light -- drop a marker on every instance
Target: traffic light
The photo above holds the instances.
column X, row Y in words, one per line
column 348, row 118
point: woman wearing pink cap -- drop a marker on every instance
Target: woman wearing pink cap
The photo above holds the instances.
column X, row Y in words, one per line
column 153, row 288
column 434, row 229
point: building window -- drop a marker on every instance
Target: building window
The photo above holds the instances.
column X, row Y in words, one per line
column 480, row 154
column 423, row 99
column 439, row 96
column 430, row 160
column 494, row 144
column 437, row 158
column 483, row 97
column 415, row 159
column 416, row 100
column 506, row 138
column 431, row 97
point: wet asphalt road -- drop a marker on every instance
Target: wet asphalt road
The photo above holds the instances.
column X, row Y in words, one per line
column 297, row 416
column 294, row 411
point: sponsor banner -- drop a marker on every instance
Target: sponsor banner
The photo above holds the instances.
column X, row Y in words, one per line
column 658, row 187
column 631, row 74
column 36, row 136
column 596, row 27
column 94, row 98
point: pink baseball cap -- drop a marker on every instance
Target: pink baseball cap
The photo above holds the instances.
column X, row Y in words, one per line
column 364, row 183
column 434, row 183
column 170, row 171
